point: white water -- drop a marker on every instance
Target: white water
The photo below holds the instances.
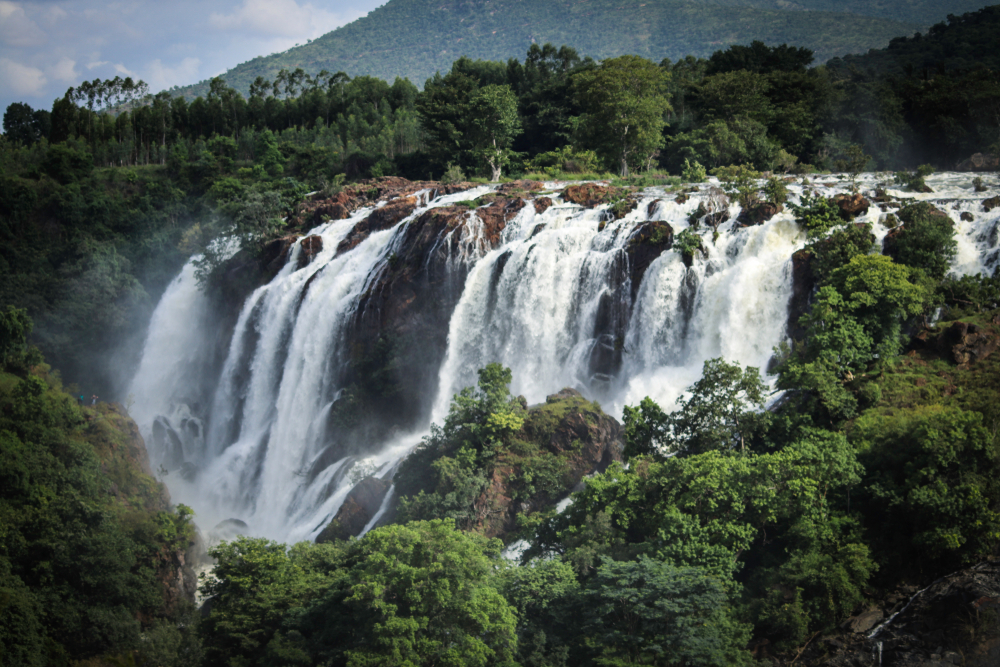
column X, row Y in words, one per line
column 533, row 304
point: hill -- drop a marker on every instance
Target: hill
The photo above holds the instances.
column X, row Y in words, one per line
column 415, row 38
column 960, row 43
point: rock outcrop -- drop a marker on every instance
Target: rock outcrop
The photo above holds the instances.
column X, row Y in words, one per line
column 954, row 621
column 980, row 162
column 568, row 427
column 991, row 203
column 360, row 507
column 852, row 206
column 648, row 241
column 756, row 215
column 380, row 219
column 969, row 343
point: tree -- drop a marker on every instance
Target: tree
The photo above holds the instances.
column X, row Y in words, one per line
column 22, row 124
column 927, row 240
column 723, row 412
column 624, row 102
column 495, row 123
column 651, row 612
column 15, row 327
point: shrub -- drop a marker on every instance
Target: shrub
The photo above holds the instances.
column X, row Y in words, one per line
column 693, row 173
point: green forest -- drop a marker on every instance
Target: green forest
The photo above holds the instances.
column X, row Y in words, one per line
column 731, row 533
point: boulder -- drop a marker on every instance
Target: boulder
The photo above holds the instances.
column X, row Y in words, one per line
column 359, row 508
column 966, row 217
column 542, row 204
column 758, row 214
column 991, row 203
column 864, row 621
column 851, row 206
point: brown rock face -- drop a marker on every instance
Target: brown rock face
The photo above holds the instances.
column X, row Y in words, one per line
column 542, row 204
column 496, row 216
column 852, row 206
column 309, row 248
column 991, row 203
column 380, row 219
column 969, row 343
column 359, row 508
column 591, row 195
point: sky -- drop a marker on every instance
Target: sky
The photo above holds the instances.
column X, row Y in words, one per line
column 46, row 46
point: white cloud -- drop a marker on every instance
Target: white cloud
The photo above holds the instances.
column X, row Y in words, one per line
column 121, row 69
column 21, row 79
column 16, row 29
column 96, row 63
column 280, row 18
column 161, row 77
column 64, row 70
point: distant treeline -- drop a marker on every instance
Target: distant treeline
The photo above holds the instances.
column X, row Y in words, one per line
column 927, row 99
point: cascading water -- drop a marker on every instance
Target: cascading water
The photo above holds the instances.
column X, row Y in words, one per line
column 545, row 300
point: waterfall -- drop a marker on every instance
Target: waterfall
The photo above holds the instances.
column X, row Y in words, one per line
column 244, row 426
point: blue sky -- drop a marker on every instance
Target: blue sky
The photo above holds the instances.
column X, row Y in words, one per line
column 46, row 46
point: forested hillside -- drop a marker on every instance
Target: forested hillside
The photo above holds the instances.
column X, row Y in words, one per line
column 415, row 38
column 91, row 550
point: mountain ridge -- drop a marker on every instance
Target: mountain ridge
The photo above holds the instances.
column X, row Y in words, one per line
column 398, row 38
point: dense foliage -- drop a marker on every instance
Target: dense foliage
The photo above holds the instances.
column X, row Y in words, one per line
column 88, row 540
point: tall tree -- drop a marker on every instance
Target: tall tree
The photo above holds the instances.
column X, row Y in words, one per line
column 624, row 101
column 495, row 125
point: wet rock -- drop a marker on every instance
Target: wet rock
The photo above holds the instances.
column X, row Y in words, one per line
column 380, row 219
column 648, row 241
column 359, row 508
column 952, row 622
column 851, row 206
column 542, row 204
column 309, row 248
column 803, row 284
column 863, row 622
column 967, row 217
column 991, row 203
column 496, row 216
column 758, row 214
